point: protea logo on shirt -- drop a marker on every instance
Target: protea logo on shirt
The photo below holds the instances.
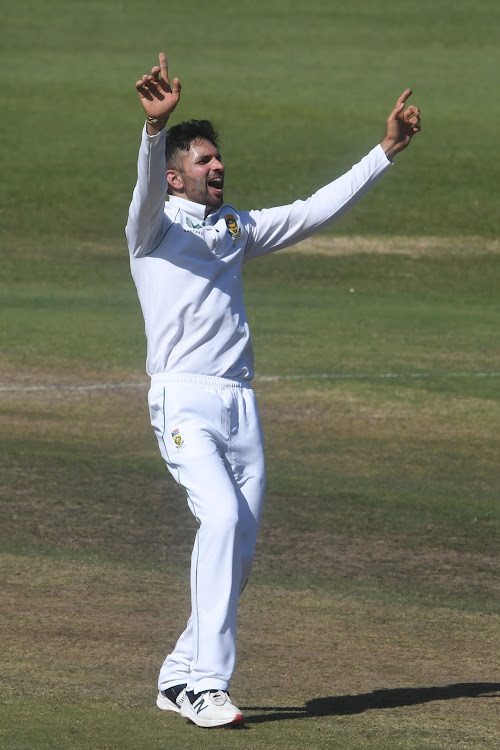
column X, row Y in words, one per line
column 232, row 226
column 179, row 442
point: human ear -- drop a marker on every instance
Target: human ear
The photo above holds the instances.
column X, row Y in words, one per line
column 174, row 179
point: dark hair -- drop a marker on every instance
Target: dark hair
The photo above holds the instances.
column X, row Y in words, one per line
column 180, row 137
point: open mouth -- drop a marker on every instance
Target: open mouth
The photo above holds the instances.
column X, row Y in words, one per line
column 217, row 184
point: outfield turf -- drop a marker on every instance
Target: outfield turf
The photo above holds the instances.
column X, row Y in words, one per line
column 372, row 619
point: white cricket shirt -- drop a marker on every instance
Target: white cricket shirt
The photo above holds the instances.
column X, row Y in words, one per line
column 188, row 268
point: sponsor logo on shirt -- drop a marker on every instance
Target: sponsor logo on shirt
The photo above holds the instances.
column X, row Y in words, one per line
column 192, row 225
column 232, row 226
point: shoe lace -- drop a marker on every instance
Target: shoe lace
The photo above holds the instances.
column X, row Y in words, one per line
column 218, row 698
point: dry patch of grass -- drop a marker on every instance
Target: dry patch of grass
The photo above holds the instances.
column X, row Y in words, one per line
column 93, row 633
column 336, row 641
column 93, row 422
column 392, row 563
column 415, row 247
column 83, row 507
column 14, row 380
column 86, row 625
column 362, row 405
column 399, row 437
column 372, row 644
column 86, row 474
column 146, row 520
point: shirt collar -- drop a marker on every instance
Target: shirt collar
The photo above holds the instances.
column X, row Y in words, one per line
column 197, row 210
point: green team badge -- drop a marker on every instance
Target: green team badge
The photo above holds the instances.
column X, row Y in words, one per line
column 232, row 226
column 177, row 438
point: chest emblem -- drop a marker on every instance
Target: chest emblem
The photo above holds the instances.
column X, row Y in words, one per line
column 176, row 435
column 232, row 226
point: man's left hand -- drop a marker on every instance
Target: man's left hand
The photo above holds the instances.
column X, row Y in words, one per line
column 402, row 124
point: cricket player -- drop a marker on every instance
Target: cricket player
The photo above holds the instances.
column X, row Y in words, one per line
column 186, row 256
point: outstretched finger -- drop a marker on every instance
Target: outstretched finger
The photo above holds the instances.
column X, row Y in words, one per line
column 404, row 96
column 400, row 104
column 163, row 66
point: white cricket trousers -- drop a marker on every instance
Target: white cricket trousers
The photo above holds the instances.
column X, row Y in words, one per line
column 210, row 437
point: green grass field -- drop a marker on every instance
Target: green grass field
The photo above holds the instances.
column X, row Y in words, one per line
column 372, row 619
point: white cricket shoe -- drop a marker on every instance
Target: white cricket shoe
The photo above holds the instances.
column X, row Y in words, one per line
column 171, row 699
column 213, row 708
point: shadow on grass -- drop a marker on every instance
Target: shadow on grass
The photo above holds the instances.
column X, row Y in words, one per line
column 343, row 705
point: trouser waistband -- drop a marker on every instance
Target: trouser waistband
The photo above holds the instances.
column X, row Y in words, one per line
column 209, row 381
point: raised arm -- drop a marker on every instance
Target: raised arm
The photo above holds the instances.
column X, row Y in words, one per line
column 275, row 228
column 147, row 221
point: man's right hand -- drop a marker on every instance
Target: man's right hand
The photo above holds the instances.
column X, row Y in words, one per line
column 158, row 98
